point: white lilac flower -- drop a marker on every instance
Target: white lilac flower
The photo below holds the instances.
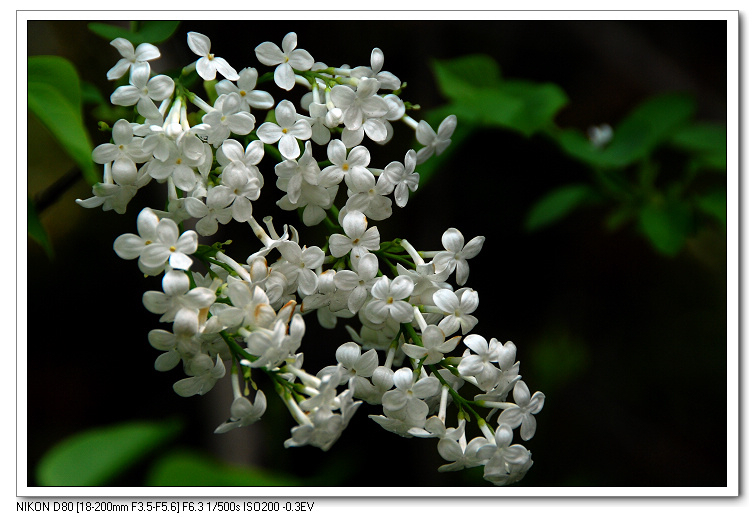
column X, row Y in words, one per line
column 214, row 210
column 434, row 345
column 244, row 413
column 360, row 104
column 303, row 260
column 170, row 247
column 351, row 166
column 400, row 177
column 352, row 364
column 124, row 153
column 225, row 118
column 142, row 91
column 182, row 342
column 501, row 457
column 208, row 65
column 250, row 306
column 388, row 81
column 480, row 363
column 130, row 58
column 288, row 130
column 114, row 196
column 456, row 308
column 315, row 200
column 204, row 375
column 522, row 412
column 358, row 283
column 287, row 59
column 245, row 87
column 130, row 246
column 408, row 393
column 462, row 454
column 358, row 241
column 181, row 165
column 177, row 296
column 389, row 296
column 457, row 253
column 368, row 201
column 292, row 174
column 434, row 143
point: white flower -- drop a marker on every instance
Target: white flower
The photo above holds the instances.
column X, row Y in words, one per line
column 521, row 412
column 204, row 375
column 358, row 283
column 292, row 174
column 227, row 117
column 303, row 260
column 358, row 241
column 409, row 393
column 388, row 81
column 369, row 201
column 243, row 413
column 287, row 59
column 502, row 457
column 434, row 345
column 177, row 296
column 245, row 87
column 214, row 210
column 401, row 177
column 457, row 308
column 352, row 167
column 143, row 91
column 389, row 301
column 288, row 130
column 208, row 64
column 170, row 247
column 124, row 153
column 456, row 254
column 434, row 143
column 131, row 59
column 360, row 104
column 479, row 365
column 462, row 454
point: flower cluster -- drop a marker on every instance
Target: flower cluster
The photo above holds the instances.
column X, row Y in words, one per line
column 412, row 352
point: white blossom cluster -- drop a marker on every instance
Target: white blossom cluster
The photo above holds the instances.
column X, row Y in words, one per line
column 412, row 352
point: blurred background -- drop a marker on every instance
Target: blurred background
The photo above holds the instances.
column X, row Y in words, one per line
column 625, row 336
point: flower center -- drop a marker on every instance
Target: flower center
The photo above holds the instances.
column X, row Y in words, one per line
column 389, row 300
column 172, row 249
column 284, row 130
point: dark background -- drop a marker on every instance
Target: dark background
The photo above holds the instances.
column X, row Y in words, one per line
column 629, row 346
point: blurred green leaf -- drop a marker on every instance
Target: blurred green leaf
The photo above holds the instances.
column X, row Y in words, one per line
column 714, row 203
column 186, row 468
column 90, row 94
column 559, row 357
column 54, row 96
column 537, row 105
column 666, row 224
column 477, row 94
column 96, row 456
column 558, row 203
column 705, row 141
column 637, row 136
column 155, row 31
column 462, row 77
column 37, row 231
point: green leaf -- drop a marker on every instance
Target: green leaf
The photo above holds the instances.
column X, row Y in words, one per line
column 666, row 224
column 54, row 96
column 652, row 123
column 186, row 468
column 155, row 31
column 558, row 203
column 97, row 456
column 478, row 94
column 714, row 203
column 705, row 141
column 37, row 231
column 464, row 76
column 536, row 105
